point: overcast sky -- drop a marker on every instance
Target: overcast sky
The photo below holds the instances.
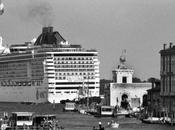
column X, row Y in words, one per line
column 109, row 26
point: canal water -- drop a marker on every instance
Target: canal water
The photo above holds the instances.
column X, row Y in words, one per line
column 76, row 121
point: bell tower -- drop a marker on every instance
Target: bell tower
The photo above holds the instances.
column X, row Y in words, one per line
column 122, row 74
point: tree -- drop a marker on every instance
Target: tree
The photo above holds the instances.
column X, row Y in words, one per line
column 136, row 80
column 153, row 80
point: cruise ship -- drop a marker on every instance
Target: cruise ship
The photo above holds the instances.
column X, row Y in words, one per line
column 48, row 70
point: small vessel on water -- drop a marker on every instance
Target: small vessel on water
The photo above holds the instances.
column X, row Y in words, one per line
column 122, row 112
column 104, row 111
column 70, row 106
column 153, row 120
column 28, row 120
column 113, row 124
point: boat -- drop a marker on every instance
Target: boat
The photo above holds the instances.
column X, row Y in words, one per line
column 70, row 106
column 19, row 119
column 153, row 120
column 42, row 120
column 47, row 69
column 169, row 120
column 104, row 111
column 121, row 112
column 113, row 124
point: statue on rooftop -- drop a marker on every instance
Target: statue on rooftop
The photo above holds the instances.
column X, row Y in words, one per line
column 122, row 59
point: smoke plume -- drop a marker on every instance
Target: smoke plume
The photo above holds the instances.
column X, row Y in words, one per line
column 42, row 12
column 39, row 11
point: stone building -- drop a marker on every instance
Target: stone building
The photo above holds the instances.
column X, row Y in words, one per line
column 154, row 100
column 123, row 92
column 167, row 74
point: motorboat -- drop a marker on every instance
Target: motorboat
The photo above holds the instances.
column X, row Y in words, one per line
column 113, row 124
column 103, row 111
column 70, row 106
column 153, row 120
column 122, row 112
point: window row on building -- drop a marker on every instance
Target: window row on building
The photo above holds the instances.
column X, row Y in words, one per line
column 65, row 78
column 70, row 70
column 73, row 62
column 73, row 58
column 74, row 66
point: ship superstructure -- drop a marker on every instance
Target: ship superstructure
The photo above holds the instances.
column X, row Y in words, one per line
column 50, row 69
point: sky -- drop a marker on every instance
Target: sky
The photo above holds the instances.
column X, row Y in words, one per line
column 109, row 26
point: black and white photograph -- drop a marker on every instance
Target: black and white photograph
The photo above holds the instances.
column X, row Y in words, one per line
column 87, row 64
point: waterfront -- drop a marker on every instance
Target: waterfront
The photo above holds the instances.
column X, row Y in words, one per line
column 76, row 121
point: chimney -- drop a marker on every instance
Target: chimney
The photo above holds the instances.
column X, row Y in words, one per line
column 171, row 44
column 164, row 46
column 47, row 29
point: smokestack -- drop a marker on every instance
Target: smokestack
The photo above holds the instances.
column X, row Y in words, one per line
column 47, row 29
column 171, row 44
column 164, row 46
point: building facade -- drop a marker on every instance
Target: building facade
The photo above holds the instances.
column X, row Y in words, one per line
column 167, row 74
column 153, row 103
column 123, row 92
